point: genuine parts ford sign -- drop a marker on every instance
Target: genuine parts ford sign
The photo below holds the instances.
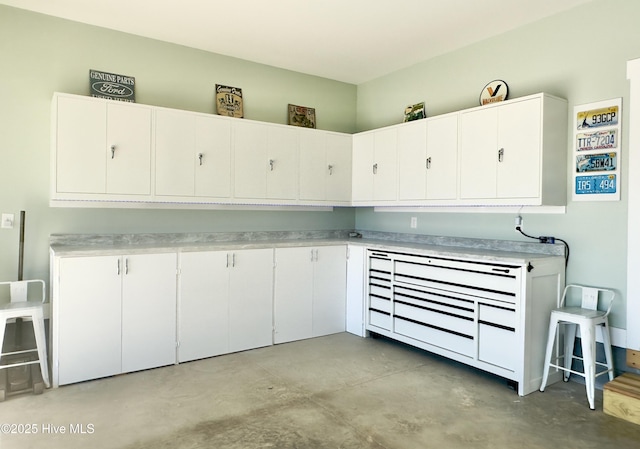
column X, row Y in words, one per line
column 112, row 86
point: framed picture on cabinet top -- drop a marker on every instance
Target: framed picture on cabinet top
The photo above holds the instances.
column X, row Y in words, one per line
column 229, row 101
column 415, row 112
column 302, row 116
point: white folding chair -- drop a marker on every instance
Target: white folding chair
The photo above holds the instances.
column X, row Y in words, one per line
column 21, row 307
column 591, row 315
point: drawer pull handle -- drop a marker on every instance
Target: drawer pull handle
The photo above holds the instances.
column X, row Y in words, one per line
column 501, row 270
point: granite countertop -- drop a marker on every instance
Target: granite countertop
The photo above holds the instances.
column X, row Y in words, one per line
column 479, row 249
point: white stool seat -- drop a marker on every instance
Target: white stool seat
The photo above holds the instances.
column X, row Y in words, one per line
column 20, row 307
column 589, row 319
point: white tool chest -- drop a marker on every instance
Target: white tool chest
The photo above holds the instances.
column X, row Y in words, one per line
column 492, row 315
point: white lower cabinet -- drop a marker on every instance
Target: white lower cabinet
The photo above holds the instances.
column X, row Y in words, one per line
column 225, row 302
column 112, row 314
column 310, row 292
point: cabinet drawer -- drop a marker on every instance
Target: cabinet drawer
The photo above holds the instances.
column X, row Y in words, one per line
column 501, row 286
column 383, row 305
column 447, row 340
column 497, row 315
column 380, row 264
column 378, row 290
column 453, row 323
column 381, row 320
column 497, row 346
column 436, row 301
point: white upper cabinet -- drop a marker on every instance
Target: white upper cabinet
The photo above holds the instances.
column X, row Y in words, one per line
column 442, row 157
column 193, row 155
column 375, row 166
column 266, row 161
column 514, row 153
column 101, row 147
column 412, row 160
column 325, row 167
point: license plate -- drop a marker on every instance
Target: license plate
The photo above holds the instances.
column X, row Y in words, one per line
column 597, row 140
column 597, row 184
column 596, row 162
column 598, row 117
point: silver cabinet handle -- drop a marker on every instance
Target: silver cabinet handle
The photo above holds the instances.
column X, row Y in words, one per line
column 271, row 162
column 227, row 260
column 330, row 169
column 126, row 265
column 113, row 151
column 233, row 260
column 428, row 163
column 200, row 156
column 118, row 267
column 375, row 169
column 500, row 154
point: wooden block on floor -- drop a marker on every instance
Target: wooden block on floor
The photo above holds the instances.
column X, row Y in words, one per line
column 622, row 397
column 633, row 359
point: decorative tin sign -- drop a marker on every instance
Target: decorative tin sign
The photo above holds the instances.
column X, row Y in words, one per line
column 414, row 112
column 229, row 101
column 596, row 176
column 302, row 116
column 597, row 140
column 496, row 90
column 112, row 86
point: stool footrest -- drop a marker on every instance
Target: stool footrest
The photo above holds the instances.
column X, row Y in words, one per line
column 32, row 362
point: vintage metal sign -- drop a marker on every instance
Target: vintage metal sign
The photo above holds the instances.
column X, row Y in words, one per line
column 597, row 140
column 229, row 101
column 112, row 86
column 596, row 162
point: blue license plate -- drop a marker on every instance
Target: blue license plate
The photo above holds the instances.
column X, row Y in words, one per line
column 597, row 184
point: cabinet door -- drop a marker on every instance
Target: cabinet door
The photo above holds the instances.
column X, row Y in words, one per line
column 363, row 160
column 175, row 153
column 203, row 307
column 412, row 160
column 282, row 164
column 338, row 167
column 478, row 153
column 148, row 311
column 329, row 290
column 250, row 153
column 89, row 314
column 442, row 158
column 313, row 165
column 293, row 294
column 518, row 172
column 385, row 165
column 81, row 136
column 129, row 143
column 250, row 299
column 213, row 157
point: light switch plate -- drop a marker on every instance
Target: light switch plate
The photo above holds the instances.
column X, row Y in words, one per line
column 7, row 221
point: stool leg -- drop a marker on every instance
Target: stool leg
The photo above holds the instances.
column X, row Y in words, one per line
column 588, row 337
column 569, row 343
column 553, row 324
column 41, row 343
column 3, row 327
column 606, row 339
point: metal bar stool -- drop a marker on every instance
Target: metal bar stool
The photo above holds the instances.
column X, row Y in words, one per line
column 21, row 307
column 591, row 315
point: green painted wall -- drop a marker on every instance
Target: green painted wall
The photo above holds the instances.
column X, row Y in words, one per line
column 40, row 55
column 579, row 55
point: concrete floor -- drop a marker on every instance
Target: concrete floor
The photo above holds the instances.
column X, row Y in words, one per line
column 339, row 391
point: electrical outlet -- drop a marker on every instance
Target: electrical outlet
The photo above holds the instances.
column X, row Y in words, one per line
column 7, row 221
column 518, row 221
column 414, row 222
